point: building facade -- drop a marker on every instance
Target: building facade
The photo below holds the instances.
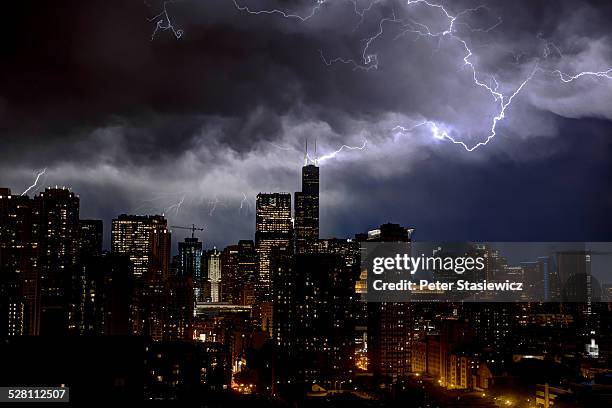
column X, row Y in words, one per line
column 307, row 209
column 273, row 228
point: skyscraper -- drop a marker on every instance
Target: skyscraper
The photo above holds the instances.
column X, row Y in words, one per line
column 90, row 237
column 247, row 270
column 146, row 240
column 12, row 304
column 307, row 209
column 179, row 314
column 190, row 253
column 576, row 288
column 272, row 229
column 106, row 294
column 214, row 274
column 389, row 323
column 313, row 310
column 58, row 212
column 230, row 282
column 19, row 252
column 574, row 268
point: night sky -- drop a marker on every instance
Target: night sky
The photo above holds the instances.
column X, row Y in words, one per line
column 194, row 127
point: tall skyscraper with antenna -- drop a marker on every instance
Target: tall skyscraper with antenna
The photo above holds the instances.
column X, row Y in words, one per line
column 307, row 204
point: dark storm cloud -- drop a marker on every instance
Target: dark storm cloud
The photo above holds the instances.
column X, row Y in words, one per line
column 141, row 125
column 500, row 199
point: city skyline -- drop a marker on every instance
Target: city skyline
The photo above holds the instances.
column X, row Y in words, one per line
column 155, row 135
column 305, row 297
column 307, row 203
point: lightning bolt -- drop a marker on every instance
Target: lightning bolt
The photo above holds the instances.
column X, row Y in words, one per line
column 338, row 151
column 244, row 198
column 286, row 148
column 325, row 157
column 369, row 60
column 163, row 22
column 176, row 206
column 361, row 13
column 550, row 48
column 243, row 203
column 40, row 173
column 162, row 204
column 503, row 101
column 212, row 205
column 566, row 78
column 313, row 11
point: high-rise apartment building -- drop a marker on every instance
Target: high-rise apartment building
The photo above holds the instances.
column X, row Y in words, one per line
column 179, row 312
column 59, row 232
column 19, row 254
column 90, row 237
column 190, row 254
column 273, row 229
column 146, row 240
column 313, row 324
column 106, row 295
column 389, row 324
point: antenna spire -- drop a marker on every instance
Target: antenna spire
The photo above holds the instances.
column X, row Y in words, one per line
column 316, row 159
column 306, row 152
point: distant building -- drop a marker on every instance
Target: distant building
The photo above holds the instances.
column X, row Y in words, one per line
column 146, row 240
column 273, row 228
column 180, row 309
column 548, row 275
column 456, row 336
column 419, row 357
column 190, row 255
column 90, row 237
column 574, row 269
column 577, row 289
column 460, row 372
column 214, row 274
column 230, row 283
column 606, row 292
column 247, row 272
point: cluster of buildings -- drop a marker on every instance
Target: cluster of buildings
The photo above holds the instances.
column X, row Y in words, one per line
column 278, row 315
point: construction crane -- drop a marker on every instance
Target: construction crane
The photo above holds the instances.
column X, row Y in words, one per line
column 193, row 229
